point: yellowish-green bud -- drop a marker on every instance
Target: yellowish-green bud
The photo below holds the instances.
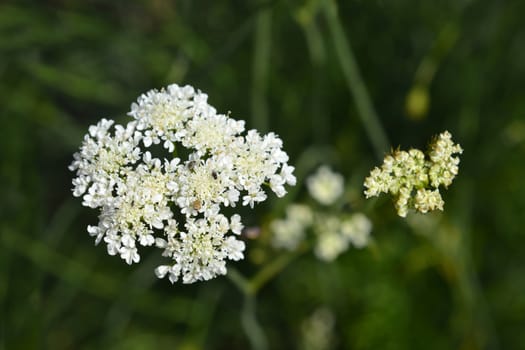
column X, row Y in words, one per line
column 417, row 102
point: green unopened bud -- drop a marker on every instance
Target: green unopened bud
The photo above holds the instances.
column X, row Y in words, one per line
column 417, row 102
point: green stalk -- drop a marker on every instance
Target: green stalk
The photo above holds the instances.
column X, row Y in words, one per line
column 249, row 289
column 271, row 270
column 250, row 325
column 354, row 81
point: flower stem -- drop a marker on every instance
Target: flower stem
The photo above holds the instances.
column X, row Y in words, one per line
column 271, row 270
column 249, row 289
column 251, row 326
column 239, row 281
column 354, row 81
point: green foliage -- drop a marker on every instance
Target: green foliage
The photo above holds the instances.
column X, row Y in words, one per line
column 451, row 280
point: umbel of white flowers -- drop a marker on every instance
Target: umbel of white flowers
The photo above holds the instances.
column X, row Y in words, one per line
column 332, row 234
column 175, row 204
column 413, row 179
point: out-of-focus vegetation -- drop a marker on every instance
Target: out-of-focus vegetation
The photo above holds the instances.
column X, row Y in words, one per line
column 443, row 281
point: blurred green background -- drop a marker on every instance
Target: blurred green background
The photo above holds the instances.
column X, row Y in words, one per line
column 451, row 281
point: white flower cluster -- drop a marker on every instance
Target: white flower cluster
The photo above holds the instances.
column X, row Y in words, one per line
column 175, row 204
column 413, row 179
column 333, row 234
column 325, row 186
column 289, row 232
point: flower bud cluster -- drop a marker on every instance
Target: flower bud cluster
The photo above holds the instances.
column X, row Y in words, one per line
column 413, row 179
column 332, row 234
column 171, row 203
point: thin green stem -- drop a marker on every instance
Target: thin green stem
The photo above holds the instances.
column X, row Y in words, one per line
column 249, row 289
column 354, row 81
column 442, row 45
column 239, row 281
column 271, row 270
column 251, row 326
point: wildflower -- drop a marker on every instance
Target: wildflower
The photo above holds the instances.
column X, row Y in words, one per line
column 332, row 234
column 357, row 229
column 290, row 232
column 330, row 242
column 175, row 204
column 413, row 179
column 325, row 186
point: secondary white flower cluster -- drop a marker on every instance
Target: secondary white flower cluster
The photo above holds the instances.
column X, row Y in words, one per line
column 325, row 186
column 413, row 179
column 171, row 203
column 333, row 234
